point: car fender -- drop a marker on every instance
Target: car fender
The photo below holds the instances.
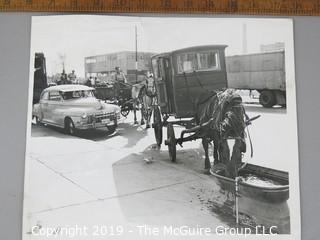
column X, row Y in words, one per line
column 36, row 110
column 111, row 107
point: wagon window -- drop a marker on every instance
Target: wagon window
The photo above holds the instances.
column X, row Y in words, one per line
column 187, row 62
column 200, row 61
column 208, row 60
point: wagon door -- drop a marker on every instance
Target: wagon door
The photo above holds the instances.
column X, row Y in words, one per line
column 163, row 79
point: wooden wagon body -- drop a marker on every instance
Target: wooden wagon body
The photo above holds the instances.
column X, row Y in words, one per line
column 183, row 75
column 120, row 95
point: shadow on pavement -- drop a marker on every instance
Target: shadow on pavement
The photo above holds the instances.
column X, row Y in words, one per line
column 153, row 190
column 49, row 131
column 133, row 133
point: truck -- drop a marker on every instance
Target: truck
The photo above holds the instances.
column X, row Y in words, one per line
column 40, row 76
column 263, row 72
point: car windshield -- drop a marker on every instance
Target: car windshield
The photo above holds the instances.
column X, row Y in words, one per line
column 77, row 94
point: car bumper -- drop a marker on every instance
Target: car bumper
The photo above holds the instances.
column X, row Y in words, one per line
column 95, row 125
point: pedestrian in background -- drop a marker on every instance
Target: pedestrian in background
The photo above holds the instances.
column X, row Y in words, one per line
column 73, row 77
column 119, row 76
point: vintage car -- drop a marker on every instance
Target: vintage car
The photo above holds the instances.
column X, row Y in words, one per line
column 74, row 107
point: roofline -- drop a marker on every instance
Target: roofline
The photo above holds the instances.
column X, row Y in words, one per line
column 190, row 48
column 199, row 47
column 256, row 53
column 106, row 54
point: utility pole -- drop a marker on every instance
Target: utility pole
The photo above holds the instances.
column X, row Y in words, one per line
column 136, row 38
column 244, row 39
column 62, row 59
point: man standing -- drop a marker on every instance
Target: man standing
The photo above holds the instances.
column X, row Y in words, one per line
column 119, row 76
column 88, row 83
column 73, row 77
column 119, row 79
column 92, row 80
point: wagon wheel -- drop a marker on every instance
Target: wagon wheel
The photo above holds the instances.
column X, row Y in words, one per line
column 171, row 142
column 125, row 109
column 157, row 125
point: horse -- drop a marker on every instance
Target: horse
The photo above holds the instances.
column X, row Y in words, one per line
column 220, row 118
column 135, row 94
column 143, row 94
column 147, row 95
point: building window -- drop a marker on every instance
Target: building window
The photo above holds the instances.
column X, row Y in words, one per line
column 91, row 60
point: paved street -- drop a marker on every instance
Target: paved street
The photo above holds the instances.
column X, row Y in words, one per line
column 96, row 179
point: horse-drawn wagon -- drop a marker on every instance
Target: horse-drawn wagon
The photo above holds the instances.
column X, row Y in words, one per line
column 182, row 78
column 129, row 97
column 191, row 86
column 118, row 93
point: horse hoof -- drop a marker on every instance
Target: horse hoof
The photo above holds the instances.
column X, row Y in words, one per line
column 148, row 126
column 135, row 122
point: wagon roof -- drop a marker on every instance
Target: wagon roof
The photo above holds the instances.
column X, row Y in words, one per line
column 194, row 48
column 69, row 87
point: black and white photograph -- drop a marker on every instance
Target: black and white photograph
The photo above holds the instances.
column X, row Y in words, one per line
column 161, row 127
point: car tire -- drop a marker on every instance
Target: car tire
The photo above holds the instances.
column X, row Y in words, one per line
column 112, row 129
column 69, row 127
column 267, row 99
column 38, row 122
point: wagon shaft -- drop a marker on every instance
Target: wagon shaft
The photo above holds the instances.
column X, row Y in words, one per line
column 192, row 137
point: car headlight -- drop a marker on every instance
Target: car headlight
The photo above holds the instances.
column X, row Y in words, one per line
column 84, row 116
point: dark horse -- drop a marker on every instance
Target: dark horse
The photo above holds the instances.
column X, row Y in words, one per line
column 220, row 118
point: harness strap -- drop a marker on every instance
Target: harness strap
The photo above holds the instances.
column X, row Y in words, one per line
column 199, row 82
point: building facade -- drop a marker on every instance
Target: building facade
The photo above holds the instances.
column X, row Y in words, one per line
column 273, row 47
column 103, row 66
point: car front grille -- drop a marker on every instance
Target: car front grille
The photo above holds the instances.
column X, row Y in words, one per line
column 99, row 117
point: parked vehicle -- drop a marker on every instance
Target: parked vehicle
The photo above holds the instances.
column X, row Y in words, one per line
column 182, row 77
column 264, row 72
column 119, row 93
column 74, row 107
column 39, row 77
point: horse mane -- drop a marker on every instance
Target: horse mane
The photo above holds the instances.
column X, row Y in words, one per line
column 213, row 105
